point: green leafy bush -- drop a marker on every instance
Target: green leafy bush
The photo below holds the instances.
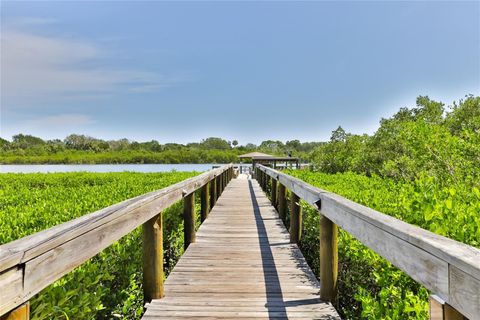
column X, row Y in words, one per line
column 110, row 284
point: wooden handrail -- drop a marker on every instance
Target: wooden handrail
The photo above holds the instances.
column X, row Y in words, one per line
column 446, row 267
column 29, row 264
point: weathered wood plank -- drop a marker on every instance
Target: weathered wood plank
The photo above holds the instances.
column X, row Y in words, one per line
column 464, row 293
column 11, row 289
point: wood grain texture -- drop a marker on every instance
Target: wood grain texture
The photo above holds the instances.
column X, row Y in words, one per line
column 153, row 258
column 241, row 265
column 328, row 259
column 11, row 289
column 448, row 268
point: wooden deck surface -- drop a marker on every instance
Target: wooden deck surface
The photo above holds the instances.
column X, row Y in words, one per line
column 242, row 265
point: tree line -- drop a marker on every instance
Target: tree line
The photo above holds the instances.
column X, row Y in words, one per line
column 78, row 148
column 430, row 139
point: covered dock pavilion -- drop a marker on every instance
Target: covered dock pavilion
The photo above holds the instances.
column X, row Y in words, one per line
column 270, row 160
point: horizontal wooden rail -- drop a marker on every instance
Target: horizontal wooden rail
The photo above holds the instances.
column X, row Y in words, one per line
column 31, row 263
column 448, row 268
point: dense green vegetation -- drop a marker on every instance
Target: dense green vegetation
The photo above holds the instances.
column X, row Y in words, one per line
column 369, row 286
column 421, row 166
column 443, row 142
column 108, row 285
column 80, row 149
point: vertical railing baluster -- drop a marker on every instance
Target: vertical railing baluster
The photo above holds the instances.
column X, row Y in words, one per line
column 328, row 259
column 153, row 258
column 295, row 219
column 204, row 201
column 282, row 202
column 188, row 220
column 274, row 193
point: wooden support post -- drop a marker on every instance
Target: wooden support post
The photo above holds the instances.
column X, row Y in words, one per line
column 440, row 310
column 188, row 220
column 153, row 258
column 282, row 202
column 213, row 192
column 205, row 199
column 274, row 192
column 267, row 183
column 222, row 182
column 22, row 312
column 328, row 259
column 295, row 219
column 218, row 182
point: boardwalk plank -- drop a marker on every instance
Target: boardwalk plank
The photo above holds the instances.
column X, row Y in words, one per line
column 242, row 265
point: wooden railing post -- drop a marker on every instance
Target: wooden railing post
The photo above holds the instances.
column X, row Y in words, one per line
column 274, row 192
column 266, row 182
column 328, row 259
column 153, row 258
column 219, row 187
column 213, row 192
column 188, row 219
column 264, row 179
column 282, row 202
column 295, row 219
column 21, row 312
column 204, row 201
column 223, row 180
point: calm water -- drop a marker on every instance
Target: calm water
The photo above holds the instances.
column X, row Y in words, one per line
column 44, row 168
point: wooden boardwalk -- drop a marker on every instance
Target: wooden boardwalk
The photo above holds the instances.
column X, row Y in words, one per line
column 242, row 265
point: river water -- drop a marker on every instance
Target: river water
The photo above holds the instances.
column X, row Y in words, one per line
column 45, row 168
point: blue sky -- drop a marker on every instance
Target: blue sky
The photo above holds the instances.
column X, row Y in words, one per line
column 251, row 71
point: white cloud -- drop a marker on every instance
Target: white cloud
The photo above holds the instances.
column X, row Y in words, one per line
column 52, row 126
column 60, row 120
column 37, row 68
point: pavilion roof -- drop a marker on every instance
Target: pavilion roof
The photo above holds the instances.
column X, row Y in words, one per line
column 255, row 154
